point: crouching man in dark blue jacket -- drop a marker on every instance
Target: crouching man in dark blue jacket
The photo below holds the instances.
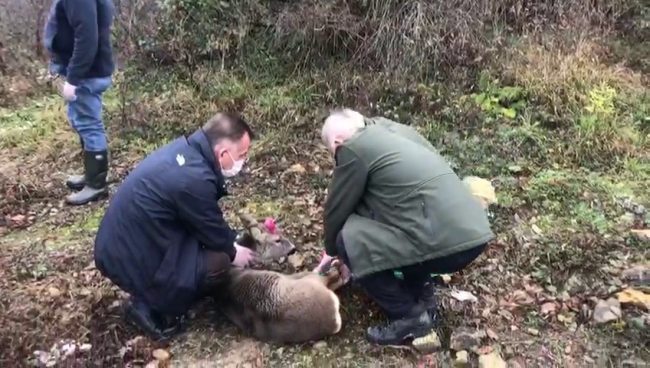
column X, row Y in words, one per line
column 163, row 238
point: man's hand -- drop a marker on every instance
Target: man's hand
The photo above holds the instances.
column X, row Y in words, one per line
column 344, row 271
column 324, row 264
column 243, row 256
column 69, row 91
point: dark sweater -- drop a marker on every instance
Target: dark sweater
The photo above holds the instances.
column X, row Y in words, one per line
column 78, row 36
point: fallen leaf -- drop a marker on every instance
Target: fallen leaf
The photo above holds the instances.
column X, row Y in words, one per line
column 17, row 220
column 634, row 297
column 536, row 229
column 296, row 260
column 297, row 168
column 54, row 292
column 463, row 296
column 491, row 334
column 492, row 360
column 548, row 308
column 161, row 355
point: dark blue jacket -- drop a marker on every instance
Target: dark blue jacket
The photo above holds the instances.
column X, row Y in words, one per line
column 150, row 240
column 78, row 37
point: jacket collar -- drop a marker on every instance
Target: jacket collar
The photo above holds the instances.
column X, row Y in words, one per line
column 199, row 141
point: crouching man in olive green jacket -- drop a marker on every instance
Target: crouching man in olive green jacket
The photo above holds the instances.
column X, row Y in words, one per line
column 395, row 204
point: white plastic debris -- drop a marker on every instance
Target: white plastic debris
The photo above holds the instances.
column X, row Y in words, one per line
column 463, row 296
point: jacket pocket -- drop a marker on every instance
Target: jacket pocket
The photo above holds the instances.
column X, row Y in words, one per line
column 428, row 219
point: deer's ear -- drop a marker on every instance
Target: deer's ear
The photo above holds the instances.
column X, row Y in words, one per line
column 245, row 239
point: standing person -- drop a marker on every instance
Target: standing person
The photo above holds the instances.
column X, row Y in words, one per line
column 164, row 239
column 394, row 204
column 78, row 37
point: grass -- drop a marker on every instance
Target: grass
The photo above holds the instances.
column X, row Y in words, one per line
column 560, row 134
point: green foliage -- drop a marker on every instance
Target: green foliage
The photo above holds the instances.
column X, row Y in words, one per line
column 499, row 101
column 600, row 109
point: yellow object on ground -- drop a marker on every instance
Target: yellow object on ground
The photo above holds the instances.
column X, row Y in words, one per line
column 482, row 189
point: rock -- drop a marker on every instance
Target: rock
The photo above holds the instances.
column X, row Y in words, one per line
column 446, row 278
column 492, row 360
column 462, row 359
column 607, row 310
column 466, row 339
column 161, row 355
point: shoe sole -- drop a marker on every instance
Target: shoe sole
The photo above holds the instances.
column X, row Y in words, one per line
column 427, row 344
column 98, row 197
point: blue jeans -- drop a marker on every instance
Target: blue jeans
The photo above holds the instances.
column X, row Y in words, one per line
column 85, row 112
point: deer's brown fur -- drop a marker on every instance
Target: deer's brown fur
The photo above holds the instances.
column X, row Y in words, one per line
column 275, row 307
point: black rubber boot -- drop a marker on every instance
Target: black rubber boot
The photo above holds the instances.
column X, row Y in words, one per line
column 402, row 331
column 150, row 322
column 77, row 182
column 96, row 171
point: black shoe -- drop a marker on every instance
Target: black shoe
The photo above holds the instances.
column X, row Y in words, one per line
column 77, row 182
column 398, row 332
column 96, row 171
column 150, row 322
column 430, row 302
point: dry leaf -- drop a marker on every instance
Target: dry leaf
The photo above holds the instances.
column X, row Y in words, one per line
column 634, row 297
column 161, row 355
column 54, row 292
column 492, row 360
column 297, row 168
column 296, row 260
column 548, row 308
column 491, row 334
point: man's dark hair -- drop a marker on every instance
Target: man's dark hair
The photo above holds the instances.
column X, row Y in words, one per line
column 226, row 125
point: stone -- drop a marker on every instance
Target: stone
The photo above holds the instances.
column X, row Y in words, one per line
column 607, row 310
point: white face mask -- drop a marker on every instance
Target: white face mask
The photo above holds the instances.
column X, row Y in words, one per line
column 235, row 169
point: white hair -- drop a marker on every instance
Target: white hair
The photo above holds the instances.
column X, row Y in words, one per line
column 341, row 123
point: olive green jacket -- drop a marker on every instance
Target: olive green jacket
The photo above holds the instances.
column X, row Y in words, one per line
column 397, row 202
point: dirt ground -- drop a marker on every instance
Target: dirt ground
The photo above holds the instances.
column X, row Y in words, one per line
column 571, row 222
